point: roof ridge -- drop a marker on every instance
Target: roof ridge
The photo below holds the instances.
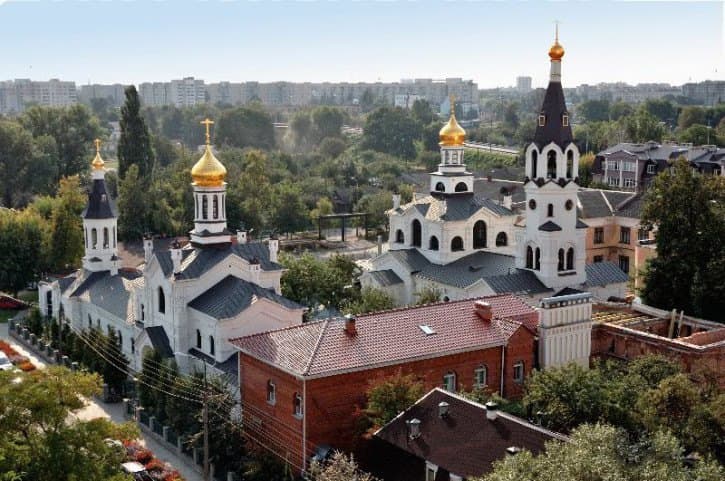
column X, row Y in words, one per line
column 410, row 308
column 287, row 328
column 606, row 201
column 307, row 368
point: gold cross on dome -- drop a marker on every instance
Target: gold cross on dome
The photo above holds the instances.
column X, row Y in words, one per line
column 452, row 101
column 98, row 145
column 206, row 122
column 556, row 30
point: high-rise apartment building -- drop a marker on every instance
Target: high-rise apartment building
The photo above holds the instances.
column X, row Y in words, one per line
column 16, row 95
column 523, row 84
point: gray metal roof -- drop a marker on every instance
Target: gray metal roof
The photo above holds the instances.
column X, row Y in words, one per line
column 603, row 203
column 232, row 295
column 65, row 282
column 230, row 367
column 386, row 277
column 411, row 259
column 100, row 205
column 455, row 207
column 196, row 261
column 110, row 293
column 603, row 273
column 159, row 340
column 468, row 270
column 520, row 281
column 550, row 226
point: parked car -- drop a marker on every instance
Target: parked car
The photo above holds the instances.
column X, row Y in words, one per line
column 5, row 364
column 137, row 470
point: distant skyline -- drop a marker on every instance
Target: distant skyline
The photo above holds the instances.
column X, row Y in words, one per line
column 490, row 42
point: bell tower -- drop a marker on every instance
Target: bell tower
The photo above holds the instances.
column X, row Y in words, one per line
column 553, row 243
column 451, row 176
column 210, row 195
column 99, row 222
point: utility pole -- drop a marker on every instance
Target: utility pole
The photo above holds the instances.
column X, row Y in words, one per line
column 205, row 421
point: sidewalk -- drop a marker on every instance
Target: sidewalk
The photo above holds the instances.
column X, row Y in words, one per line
column 96, row 409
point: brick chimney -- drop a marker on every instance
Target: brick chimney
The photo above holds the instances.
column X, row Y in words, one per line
column 350, row 327
column 491, row 410
column 483, row 310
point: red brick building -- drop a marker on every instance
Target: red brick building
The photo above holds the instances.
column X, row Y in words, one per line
column 301, row 386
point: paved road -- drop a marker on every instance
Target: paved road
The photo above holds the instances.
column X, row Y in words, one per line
column 96, row 409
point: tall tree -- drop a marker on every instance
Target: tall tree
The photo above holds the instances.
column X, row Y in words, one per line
column 289, row 213
column 21, row 248
column 327, row 122
column 422, row 112
column 245, row 127
column 66, row 238
column 392, row 131
column 132, row 206
column 689, row 214
column 134, row 145
column 16, row 155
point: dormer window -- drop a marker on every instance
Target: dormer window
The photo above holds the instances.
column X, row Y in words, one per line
column 542, row 120
column 565, row 120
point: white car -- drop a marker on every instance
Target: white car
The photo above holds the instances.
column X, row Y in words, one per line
column 5, row 364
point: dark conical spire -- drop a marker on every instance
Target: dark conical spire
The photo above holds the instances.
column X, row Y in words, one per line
column 553, row 123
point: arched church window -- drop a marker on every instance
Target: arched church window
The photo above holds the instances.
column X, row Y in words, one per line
column 532, row 204
column 479, row 235
column 198, row 339
column 85, row 235
column 440, row 187
column 162, row 300
column 215, row 207
column 569, row 163
column 529, row 257
column 94, row 238
column 534, row 162
column 114, row 236
column 550, row 210
column 416, row 234
column 461, row 187
column 560, row 265
column 551, row 165
column 570, row 259
column 537, row 259
column 569, row 204
column 433, row 243
column 211, row 345
column 204, row 207
column 399, row 236
column 105, row 237
column 196, row 207
column 502, row 239
column 457, row 244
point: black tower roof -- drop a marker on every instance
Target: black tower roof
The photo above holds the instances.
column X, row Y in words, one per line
column 100, row 205
column 553, row 109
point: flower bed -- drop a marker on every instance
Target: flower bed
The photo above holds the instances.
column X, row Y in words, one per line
column 19, row 360
column 157, row 469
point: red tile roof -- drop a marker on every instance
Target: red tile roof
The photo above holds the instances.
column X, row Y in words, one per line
column 464, row 442
column 388, row 337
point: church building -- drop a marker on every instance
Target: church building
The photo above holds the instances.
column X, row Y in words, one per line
column 465, row 245
column 185, row 301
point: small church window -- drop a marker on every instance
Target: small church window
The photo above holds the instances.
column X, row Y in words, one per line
column 570, row 259
column 501, row 239
column 537, row 259
column 457, row 244
column 565, row 120
column 440, row 187
column 560, row 265
column 569, row 204
column 204, row 207
column 215, row 207
column 211, row 345
column 143, row 313
column 105, row 237
column 399, row 237
column 534, row 163
column 532, row 204
column 298, row 405
column 417, row 232
column 542, row 120
column 551, row 165
column 433, row 243
column 461, row 187
column 94, row 238
column 569, row 163
column 162, row 300
column 529, row 257
column 550, row 210
column 479, row 235
column 271, row 392
column 198, row 339
column 114, row 236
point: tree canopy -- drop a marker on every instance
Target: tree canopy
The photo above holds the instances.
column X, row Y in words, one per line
column 134, row 145
column 392, row 131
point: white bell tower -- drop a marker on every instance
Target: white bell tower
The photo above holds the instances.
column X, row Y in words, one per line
column 100, row 222
column 451, row 176
column 553, row 243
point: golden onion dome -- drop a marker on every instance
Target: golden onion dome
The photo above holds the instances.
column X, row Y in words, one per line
column 98, row 162
column 208, row 171
column 556, row 51
column 452, row 133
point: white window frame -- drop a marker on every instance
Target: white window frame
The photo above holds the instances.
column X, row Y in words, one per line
column 298, row 409
column 565, row 120
column 430, row 471
column 271, row 392
column 477, row 381
column 612, row 165
column 542, row 120
column 518, row 366
column 652, row 169
column 628, row 182
column 613, row 181
column 447, row 381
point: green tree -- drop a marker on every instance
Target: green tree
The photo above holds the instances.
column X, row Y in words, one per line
column 375, row 206
column 327, row 122
column 66, row 239
column 312, row 282
column 390, row 396
column 601, row 452
column 689, row 213
column 41, row 437
column 72, row 129
column 698, row 134
column 21, row 248
column 594, row 110
column 392, row 131
column 16, row 156
column 301, row 128
column 643, row 127
column 245, row 127
column 369, row 300
column 664, row 110
column 690, row 116
column 289, row 213
column 134, row 145
column 620, row 110
column 332, row 147
column 422, row 112
column 428, row 295
column 340, row 467
column 132, row 205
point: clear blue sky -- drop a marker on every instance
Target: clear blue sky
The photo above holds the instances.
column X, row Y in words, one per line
column 491, row 42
